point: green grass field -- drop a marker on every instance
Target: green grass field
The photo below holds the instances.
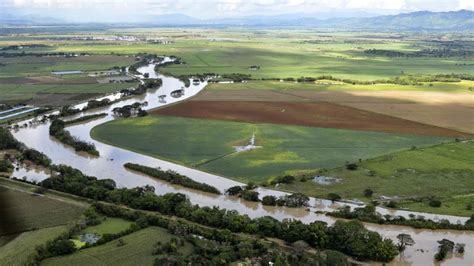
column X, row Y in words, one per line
column 14, row 93
column 137, row 250
column 453, row 87
column 285, row 149
column 280, row 53
column 19, row 250
column 38, row 66
column 444, row 171
column 30, row 212
column 109, row 226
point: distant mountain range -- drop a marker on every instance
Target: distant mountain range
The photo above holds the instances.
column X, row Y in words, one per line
column 462, row 20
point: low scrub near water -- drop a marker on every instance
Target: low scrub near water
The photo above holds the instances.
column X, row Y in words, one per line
column 209, row 145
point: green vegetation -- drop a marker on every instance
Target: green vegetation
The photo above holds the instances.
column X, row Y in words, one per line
column 208, row 145
column 137, row 250
column 462, row 86
column 108, row 226
column 35, row 211
column 172, row 177
column 57, row 130
column 368, row 214
column 20, row 250
column 316, row 234
column 412, row 178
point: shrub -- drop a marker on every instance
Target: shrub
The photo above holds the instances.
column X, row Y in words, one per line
column 368, row 192
column 334, row 196
column 352, row 166
column 435, row 203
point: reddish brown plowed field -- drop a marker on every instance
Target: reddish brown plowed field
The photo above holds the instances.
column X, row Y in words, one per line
column 319, row 114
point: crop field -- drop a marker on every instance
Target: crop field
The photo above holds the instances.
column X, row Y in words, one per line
column 284, row 148
column 35, row 211
column 451, row 87
column 28, row 79
column 27, row 66
column 442, row 171
column 440, row 109
column 137, row 250
column 109, row 226
column 279, row 54
column 321, row 114
column 55, row 94
column 19, row 250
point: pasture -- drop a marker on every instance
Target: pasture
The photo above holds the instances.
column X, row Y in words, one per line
column 29, row 211
column 284, row 148
column 19, row 250
column 108, row 226
column 28, row 79
column 442, row 171
column 279, row 53
column 137, row 250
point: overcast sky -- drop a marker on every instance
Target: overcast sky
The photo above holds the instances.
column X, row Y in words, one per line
column 140, row 10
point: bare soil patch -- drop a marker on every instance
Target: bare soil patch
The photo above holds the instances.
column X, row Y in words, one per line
column 315, row 114
column 453, row 111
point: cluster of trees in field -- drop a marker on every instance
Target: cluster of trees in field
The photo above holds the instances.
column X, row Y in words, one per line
column 351, row 238
column 369, row 214
column 439, row 53
column 130, row 110
column 172, row 177
column 56, row 129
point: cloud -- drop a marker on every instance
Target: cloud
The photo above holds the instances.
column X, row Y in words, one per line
column 466, row 4
column 377, row 4
column 135, row 9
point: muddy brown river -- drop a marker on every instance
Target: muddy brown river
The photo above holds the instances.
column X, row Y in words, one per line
column 111, row 161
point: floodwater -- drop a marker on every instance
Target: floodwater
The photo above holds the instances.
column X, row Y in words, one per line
column 111, row 161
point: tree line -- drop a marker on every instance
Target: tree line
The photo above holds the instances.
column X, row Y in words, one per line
column 172, row 177
column 352, row 238
column 369, row 214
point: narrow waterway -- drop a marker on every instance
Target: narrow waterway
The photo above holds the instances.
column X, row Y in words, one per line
column 111, row 161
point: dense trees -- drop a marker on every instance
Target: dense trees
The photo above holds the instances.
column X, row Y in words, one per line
column 172, row 177
column 352, row 238
column 368, row 214
column 441, row 53
column 7, row 141
column 130, row 110
column 363, row 243
column 36, row 157
column 57, row 130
